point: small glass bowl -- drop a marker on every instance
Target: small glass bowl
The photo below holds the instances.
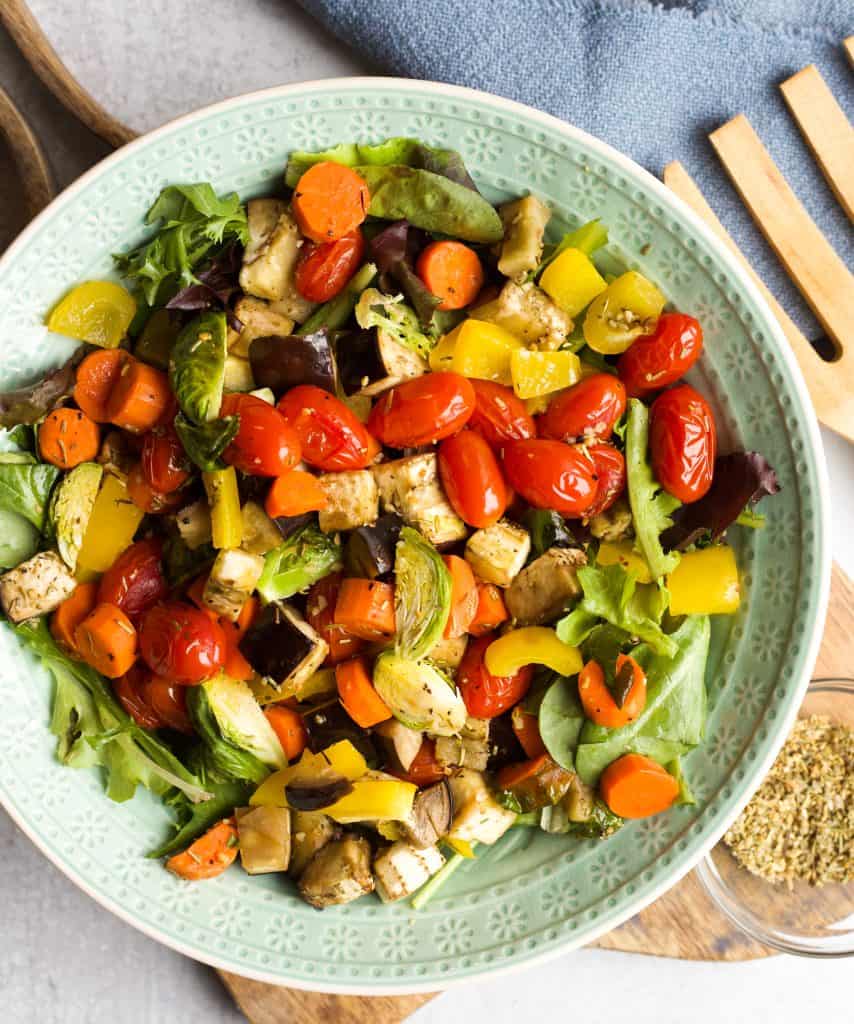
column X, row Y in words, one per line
column 806, row 920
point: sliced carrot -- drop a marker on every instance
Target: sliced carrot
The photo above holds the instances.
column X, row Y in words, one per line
column 527, row 732
column 513, row 774
column 464, row 598
column 243, row 621
column 106, row 639
column 356, row 690
column 235, row 665
column 295, row 493
column 139, row 397
column 491, row 610
column 320, row 612
column 330, row 201
column 71, row 613
column 209, row 855
column 452, row 271
column 195, row 591
column 290, row 730
column 68, row 437
column 598, row 701
column 365, row 608
column 635, row 786
column 96, row 378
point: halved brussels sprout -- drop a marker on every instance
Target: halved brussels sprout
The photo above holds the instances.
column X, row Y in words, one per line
column 419, row 695
column 197, row 367
column 422, row 598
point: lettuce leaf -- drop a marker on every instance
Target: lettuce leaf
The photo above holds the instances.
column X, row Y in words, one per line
column 674, row 718
column 651, row 506
column 25, row 489
column 28, row 405
column 395, row 250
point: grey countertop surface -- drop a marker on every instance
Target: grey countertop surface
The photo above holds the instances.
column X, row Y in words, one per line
column 63, row 959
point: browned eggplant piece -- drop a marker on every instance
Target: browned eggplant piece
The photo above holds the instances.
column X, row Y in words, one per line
column 310, row 832
column 315, row 794
column 282, row 362
column 289, row 525
column 370, row 549
column 432, row 814
column 338, row 873
column 504, row 746
column 399, row 743
column 281, row 645
column 370, row 362
column 330, row 724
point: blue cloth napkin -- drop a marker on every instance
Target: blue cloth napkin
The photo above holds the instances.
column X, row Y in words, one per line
column 651, row 79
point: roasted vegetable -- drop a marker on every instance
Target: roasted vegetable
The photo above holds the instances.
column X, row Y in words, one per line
column 401, row 743
column 374, row 798
column 197, row 367
column 264, row 834
column 282, row 362
column 224, row 504
column 310, row 832
column 270, row 257
column 339, row 872
column 478, row 817
column 529, row 315
column 410, row 487
column 35, row 587
column 260, row 533
column 392, row 323
column 281, row 645
column 546, row 588
column 419, row 695
column 498, row 553
column 194, row 524
column 422, row 597
column 370, row 550
column 352, row 500
column 240, row 719
column 112, row 524
column 232, row 581
column 71, row 508
column 304, row 558
column 432, row 814
column 317, row 794
column 372, row 361
column 258, row 319
column 402, row 868
column 460, row 752
column 524, row 223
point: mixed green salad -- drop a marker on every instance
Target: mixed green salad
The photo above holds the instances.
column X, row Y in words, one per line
column 369, row 521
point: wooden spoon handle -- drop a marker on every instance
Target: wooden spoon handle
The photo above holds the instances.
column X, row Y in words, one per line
column 32, row 167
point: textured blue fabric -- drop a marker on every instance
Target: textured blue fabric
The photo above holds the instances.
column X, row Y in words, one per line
column 652, row 80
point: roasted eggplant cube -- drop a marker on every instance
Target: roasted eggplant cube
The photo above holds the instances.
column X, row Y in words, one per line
column 338, row 873
column 270, row 257
column 370, row 362
column 546, row 588
column 36, row 587
column 281, row 362
column 231, row 581
column 352, row 500
column 498, row 553
column 370, row 549
column 402, row 868
column 258, row 320
column 282, row 646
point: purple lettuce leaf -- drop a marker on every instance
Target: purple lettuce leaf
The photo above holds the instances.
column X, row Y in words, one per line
column 214, row 287
column 395, row 250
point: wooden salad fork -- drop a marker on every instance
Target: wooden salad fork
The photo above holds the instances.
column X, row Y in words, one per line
column 808, row 258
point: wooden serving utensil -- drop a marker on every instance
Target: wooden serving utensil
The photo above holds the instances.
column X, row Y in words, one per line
column 30, row 162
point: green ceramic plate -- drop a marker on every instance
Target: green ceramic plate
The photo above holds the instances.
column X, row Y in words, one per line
column 531, row 895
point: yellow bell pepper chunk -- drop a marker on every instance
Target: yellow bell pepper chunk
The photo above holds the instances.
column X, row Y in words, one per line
column 320, row 684
column 99, row 312
column 480, row 350
column 540, row 373
column 572, row 281
column 112, row 524
column 622, row 552
column 442, row 354
column 341, row 758
column 460, row 846
column 629, row 307
column 224, row 501
column 705, row 583
column 531, row 645
column 374, row 800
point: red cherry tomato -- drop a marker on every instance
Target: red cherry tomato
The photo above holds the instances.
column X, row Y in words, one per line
column 499, row 415
column 472, row 479
column 330, row 434
column 320, row 613
column 266, row 444
column 551, row 474
column 588, row 409
column 181, row 643
column 486, row 695
column 164, row 463
column 143, row 495
column 135, row 581
column 683, row 443
column 425, row 769
column 422, row 410
column 656, row 360
column 169, row 702
column 129, row 693
column 323, row 269
column 610, row 469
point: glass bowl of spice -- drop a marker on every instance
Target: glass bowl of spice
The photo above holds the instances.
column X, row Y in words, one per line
column 784, row 872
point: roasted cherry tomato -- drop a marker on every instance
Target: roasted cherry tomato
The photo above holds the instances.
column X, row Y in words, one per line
column 324, row 269
column 422, row 410
column 472, row 478
column 135, row 581
column 266, row 444
column 129, row 693
column 181, row 643
column 486, row 695
column 320, row 612
column 610, row 469
column 499, row 415
column 656, row 360
column 144, row 496
column 169, row 702
column 551, row 474
column 683, row 443
column 588, row 409
column 164, row 462
column 331, row 436
column 425, row 769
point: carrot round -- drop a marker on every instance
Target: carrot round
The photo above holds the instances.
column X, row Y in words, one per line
column 71, row 613
column 139, row 397
column 527, row 732
column 235, row 665
column 598, row 701
column 290, row 730
column 106, row 639
column 464, row 598
column 96, row 379
column 294, row 493
column 491, row 610
column 68, row 437
column 635, row 786
column 452, row 271
column 209, row 855
column 365, row 608
column 356, row 690
column 330, row 201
